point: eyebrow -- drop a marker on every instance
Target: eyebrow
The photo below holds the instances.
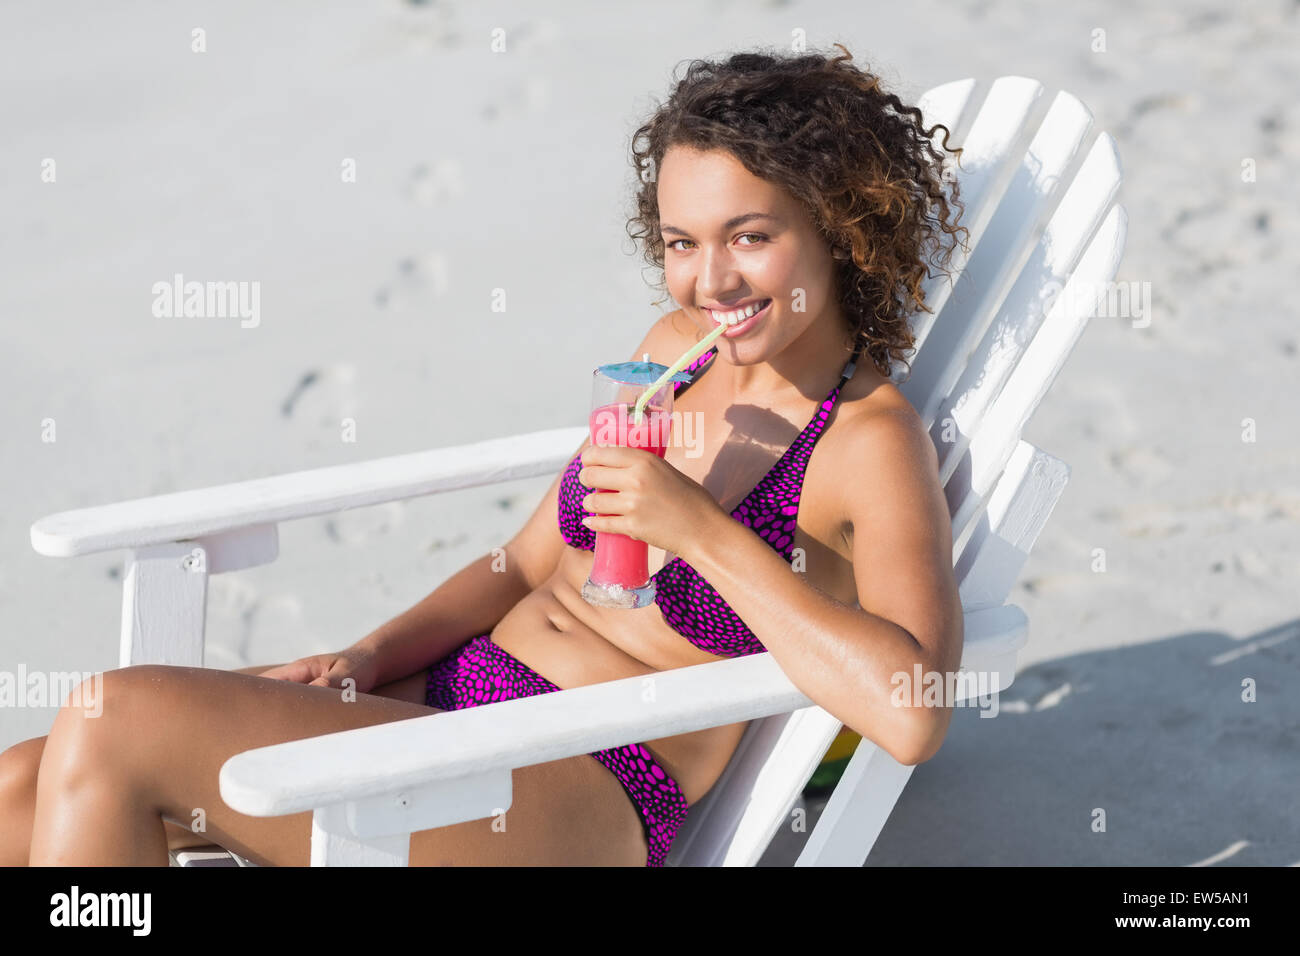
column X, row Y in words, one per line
column 729, row 224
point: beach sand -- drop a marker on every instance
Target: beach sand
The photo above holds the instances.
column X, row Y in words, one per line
column 478, row 171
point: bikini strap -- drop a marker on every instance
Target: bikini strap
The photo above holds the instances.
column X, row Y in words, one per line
column 818, row 425
column 849, row 369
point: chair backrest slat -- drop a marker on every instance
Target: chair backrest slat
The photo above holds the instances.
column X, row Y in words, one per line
column 990, row 155
column 734, row 824
column 961, row 415
column 1032, row 193
column 997, row 432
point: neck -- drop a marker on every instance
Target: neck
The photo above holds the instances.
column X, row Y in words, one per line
column 803, row 366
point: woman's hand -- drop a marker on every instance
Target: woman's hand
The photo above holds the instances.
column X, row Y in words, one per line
column 642, row 496
column 329, row 670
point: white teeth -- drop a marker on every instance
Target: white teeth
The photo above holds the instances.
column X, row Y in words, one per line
column 735, row 318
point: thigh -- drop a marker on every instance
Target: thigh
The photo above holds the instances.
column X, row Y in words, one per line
column 566, row 811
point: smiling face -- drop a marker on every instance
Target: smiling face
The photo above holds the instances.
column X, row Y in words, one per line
column 715, row 256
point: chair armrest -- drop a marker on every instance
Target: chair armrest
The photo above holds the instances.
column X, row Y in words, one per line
column 370, row 761
column 187, row 515
column 385, row 758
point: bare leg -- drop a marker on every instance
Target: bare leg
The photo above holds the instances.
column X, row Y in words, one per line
column 19, row 766
column 106, row 783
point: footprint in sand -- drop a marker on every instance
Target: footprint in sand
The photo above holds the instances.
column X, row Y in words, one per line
column 527, row 97
column 230, row 596
column 1251, row 563
column 440, row 544
column 427, row 27
column 258, row 617
column 434, row 180
column 415, row 281
column 1141, row 463
column 323, row 396
column 360, row 525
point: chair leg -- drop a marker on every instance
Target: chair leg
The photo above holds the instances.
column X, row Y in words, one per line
column 856, row 812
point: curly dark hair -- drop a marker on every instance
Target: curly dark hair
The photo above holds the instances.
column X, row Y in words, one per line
column 857, row 158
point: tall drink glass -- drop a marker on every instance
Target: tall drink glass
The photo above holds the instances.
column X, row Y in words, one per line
column 620, row 569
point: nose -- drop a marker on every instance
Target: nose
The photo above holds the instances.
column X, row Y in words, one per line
column 718, row 278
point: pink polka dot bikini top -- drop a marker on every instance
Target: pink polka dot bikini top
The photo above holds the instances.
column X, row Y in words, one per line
column 689, row 604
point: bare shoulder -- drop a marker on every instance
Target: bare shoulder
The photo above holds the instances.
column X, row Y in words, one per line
column 870, row 402
column 880, row 448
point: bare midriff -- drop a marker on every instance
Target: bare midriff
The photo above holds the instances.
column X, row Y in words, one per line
column 572, row 644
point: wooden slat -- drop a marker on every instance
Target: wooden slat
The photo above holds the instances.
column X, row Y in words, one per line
column 976, row 473
column 301, row 494
column 334, row 844
column 1036, row 188
column 735, row 822
column 857, row 809
column 369, row 761
column 164, row 606
column 992, row 556
column 1005, row 342
column 991, row 152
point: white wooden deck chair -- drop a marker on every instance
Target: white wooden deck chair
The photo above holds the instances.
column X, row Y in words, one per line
column 1045, row 235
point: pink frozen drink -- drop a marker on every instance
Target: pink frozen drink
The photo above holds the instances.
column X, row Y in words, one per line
column 620, row 560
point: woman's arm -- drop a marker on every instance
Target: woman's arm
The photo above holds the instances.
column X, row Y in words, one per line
column 470, row 602
column 851, row 661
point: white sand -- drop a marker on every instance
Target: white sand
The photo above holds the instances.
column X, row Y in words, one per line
column 478, row 171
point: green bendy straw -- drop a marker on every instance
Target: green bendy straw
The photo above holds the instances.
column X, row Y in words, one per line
column 689, row 356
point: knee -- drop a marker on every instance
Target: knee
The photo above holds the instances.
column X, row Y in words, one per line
column 106, row 713
column 19, row 766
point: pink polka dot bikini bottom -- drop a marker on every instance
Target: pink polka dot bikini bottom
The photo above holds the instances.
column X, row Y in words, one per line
column 480, row 672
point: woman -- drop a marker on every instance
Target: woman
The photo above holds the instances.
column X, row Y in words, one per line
column 787, row 191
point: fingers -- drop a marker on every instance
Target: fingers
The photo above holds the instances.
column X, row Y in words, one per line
column 293, row 672
column 339, row 670
column 299, row 672
column 598, row 476
column 329, row 678
column 611, row 524
column 602, row 504
column 616, row 455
